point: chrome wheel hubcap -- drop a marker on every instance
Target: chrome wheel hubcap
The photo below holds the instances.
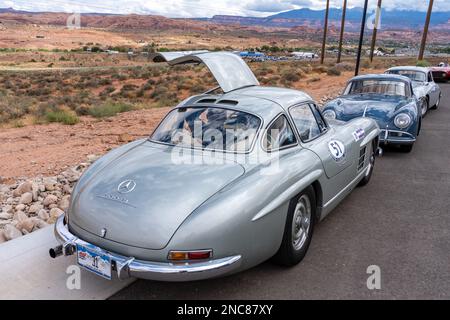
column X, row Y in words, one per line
column 301, row 222
column 424, row 108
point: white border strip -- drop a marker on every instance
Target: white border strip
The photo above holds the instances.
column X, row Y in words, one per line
column 28, row 272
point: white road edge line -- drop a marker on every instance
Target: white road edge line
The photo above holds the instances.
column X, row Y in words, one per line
column 28, row 272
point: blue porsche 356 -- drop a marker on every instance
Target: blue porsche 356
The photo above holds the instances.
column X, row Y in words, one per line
column 389, row 99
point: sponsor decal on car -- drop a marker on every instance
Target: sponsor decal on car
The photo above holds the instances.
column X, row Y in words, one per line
column 359, row 134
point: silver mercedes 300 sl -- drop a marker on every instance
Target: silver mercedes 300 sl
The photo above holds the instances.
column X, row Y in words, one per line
column 228, row 179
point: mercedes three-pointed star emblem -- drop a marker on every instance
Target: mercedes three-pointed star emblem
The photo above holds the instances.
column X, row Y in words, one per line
column 126, row 186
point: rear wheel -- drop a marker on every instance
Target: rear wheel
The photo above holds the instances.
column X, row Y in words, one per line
column 437, row 103
column 299, row 228
column 424, row 106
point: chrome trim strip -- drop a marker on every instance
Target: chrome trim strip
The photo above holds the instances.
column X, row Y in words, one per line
column 161, row 271
column 408, row 136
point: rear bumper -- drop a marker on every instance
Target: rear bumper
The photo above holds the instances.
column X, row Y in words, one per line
column 396, row 137
column 129, row 267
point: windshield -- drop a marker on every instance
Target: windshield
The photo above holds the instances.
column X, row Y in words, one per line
column 373, row 86
column 413, row 75
column 209, row 128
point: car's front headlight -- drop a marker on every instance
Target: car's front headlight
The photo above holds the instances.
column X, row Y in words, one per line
column 329, row 115
column 402, row 121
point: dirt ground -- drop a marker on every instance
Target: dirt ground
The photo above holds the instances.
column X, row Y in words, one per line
column 48, row 149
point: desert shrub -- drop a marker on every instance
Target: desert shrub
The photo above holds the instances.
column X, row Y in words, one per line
column 146, row 87
column 320, row 69
column 307, row 69
column 290, row 76
column 109, row 109
column 160, row 92
column 18, row 123
column 333, row 71
column 62, row 116
column 365, row 64
column 107, row 91
column 313, row 79
column 82, row 110
column 181, row 67
column 119, row 76
column 12, row 108
column 264, row 80
column 128, row 87
column 422, row 63
column 104, row 82
column 197, row 88
column 38, row 92
column 344, row 66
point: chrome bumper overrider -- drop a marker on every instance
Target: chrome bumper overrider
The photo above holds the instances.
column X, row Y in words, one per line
column 130, row 267
column 396, row 137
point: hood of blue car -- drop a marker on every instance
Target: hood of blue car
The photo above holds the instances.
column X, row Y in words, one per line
column 380, row 108
column 142, row 197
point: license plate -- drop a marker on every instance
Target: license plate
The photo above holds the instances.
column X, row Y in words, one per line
column 98, row 263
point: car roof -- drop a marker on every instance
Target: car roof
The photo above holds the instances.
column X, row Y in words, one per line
column 383, row 76
column 409, row 68
column 265, row 102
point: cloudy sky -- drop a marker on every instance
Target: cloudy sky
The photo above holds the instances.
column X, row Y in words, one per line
column 203, row 8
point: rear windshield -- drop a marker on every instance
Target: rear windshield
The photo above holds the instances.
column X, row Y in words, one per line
column 371, row 86
column 413, row 75
column 208, row 128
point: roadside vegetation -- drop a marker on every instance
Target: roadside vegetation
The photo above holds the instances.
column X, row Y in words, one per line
column 65, row 95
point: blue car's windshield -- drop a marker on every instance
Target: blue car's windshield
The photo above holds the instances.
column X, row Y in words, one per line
column 208, row 128
column 374, row 86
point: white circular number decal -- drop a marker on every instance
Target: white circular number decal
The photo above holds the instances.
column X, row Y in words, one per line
column 337, row 149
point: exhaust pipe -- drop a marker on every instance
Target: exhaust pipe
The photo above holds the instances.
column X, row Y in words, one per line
column 56, row 251
column 66, row 249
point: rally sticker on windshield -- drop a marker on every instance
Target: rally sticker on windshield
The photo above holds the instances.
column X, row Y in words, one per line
column 337, row 150
column 359, row 134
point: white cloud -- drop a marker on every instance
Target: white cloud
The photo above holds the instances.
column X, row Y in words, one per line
column 203, row 8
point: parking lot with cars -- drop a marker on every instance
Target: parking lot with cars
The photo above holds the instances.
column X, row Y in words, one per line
column 399, row 223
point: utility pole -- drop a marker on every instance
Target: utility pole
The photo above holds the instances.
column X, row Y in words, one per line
column 375, row 30
column 322, row 58
column 361, row 37
column 341, row 38
column 425, row 31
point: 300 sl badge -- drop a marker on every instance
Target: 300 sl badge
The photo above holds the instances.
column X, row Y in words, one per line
column 337, row 150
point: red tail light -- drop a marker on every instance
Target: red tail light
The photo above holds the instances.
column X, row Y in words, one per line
column 190, row 255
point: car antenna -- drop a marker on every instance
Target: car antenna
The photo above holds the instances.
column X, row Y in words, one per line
column 365, row 110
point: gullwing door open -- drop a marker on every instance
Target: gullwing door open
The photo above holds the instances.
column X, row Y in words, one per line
column 229, row 70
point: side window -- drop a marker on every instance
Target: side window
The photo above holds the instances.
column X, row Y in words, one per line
column 320, row 121
column 430, row 77
column 305, row 121
column 279, row 135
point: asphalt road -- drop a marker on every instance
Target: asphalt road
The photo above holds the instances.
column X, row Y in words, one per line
column 399, row 222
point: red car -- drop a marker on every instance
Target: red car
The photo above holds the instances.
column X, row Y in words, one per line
column 441, row 72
